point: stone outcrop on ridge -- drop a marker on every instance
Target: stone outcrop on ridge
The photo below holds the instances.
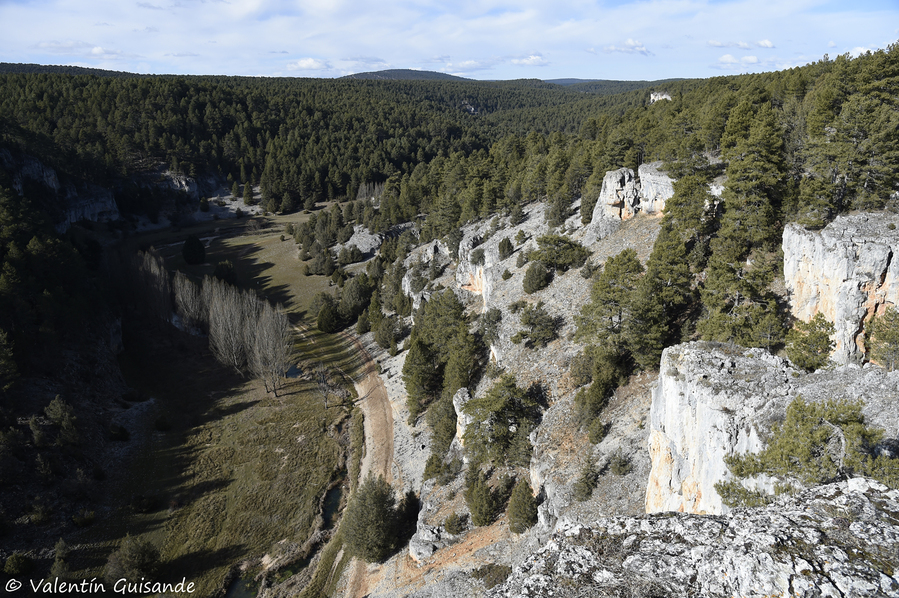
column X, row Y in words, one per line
column 835, row 540
column 714, row 400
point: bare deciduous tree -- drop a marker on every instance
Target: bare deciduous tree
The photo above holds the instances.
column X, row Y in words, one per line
column 188, row 300
column 228, row 310
column 154, row 284
column 269, row 357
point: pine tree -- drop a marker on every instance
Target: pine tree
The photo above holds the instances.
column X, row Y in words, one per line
column 536, row 278
column 522, row 510
column 882, row 333
column 369, row 525
column 481, row 501
column 193, row 251
column 420, row 375
column 809, row 344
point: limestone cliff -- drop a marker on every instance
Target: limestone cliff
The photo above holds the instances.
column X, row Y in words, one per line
column 845, row 271
column 714, row 400
column 834, row 540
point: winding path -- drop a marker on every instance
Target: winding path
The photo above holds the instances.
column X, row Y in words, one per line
column 378, row 458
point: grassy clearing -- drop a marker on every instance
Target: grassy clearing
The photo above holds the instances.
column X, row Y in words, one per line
column 240, row 470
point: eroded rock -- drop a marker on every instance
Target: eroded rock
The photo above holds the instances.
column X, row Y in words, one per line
column 714, row 400
column 834, row 540
column 845, row 271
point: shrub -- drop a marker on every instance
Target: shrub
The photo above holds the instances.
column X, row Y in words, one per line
column 517, row 306
column 597, row 430
column 134, row 559
column 816, row 442
column 506, row 274
column 586, row 484
column 17, row 564
column 581, row 370
column 620, row 464
column 477, row 257
column 521, row 237
column 541, row 327
column 522, row 511
column 455, row 523
column 588, row 270
column 535, row 278
column 492, row 574
column 481, row 501
column 560, row 252
column 505, row 248
column 83, row 518
column 521, row 260
column 809, row 344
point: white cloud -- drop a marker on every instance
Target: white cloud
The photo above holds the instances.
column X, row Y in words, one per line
column 532, row 60
column 150, row 6
column 743, row 45
column 765, row 43
column 717, row 44
column 309, row 64
column 831, row 44
column 631, row 46
column 858, row 51
column 728, row 59
column 749, row 60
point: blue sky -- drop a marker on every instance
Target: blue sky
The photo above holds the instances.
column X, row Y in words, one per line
column 488, row 39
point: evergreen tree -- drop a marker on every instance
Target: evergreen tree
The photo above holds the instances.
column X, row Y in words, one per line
column 496, row 416
column 809, row 344
column 882, row 333
column 505, row 248
column 604, row 318
column 481, row 501
column 133, row 560
column 421, row 376
column 369, row 525
column 193, row 251
column 536, row 278
column 522, row 509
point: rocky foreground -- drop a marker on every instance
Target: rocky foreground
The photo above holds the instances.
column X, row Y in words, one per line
column 841, row 539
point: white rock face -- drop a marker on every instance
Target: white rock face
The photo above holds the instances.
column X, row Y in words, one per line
column 834, row 540
column 845, row 271
column 622, row 196
column 714, row 400
column 655, row 188
column 460, row 399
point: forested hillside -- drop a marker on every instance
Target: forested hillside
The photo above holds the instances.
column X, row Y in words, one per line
column 417, row 160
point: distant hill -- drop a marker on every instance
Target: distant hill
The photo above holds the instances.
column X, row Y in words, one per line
column 406, row 75
column 7, row 68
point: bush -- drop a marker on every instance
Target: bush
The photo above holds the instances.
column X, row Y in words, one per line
column 620, row 464
column 83, row 518
column 193, row 251
column 586, row 484
column 581, row 370
column 224, row 271
column 809, row 344
column 134, row 559
column 477, row 257
column 370, row 523
column 505, row 248
column 535, row 278
column 492, row 575
column 522, row 511
column 521, row 260
column 17, row 564
column 481, row 501
column 560, row 252
column 506, row 274
column 541, row 327
column 455, row 523
column 597, row 430
column 816, row 443
column 517, row 306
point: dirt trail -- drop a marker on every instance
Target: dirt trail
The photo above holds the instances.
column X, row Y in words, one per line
column 378, row 458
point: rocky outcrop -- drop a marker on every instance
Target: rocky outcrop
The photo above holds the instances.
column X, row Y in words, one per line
column 622, row 196
column 847, row 272
column 460, row 399
column 87, row 202
column 714, row 400
column 834, row 540
column 655, row 188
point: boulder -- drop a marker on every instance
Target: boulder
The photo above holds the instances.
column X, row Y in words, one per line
column 845, row 271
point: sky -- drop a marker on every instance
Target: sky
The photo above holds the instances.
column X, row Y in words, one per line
column 485, row 40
